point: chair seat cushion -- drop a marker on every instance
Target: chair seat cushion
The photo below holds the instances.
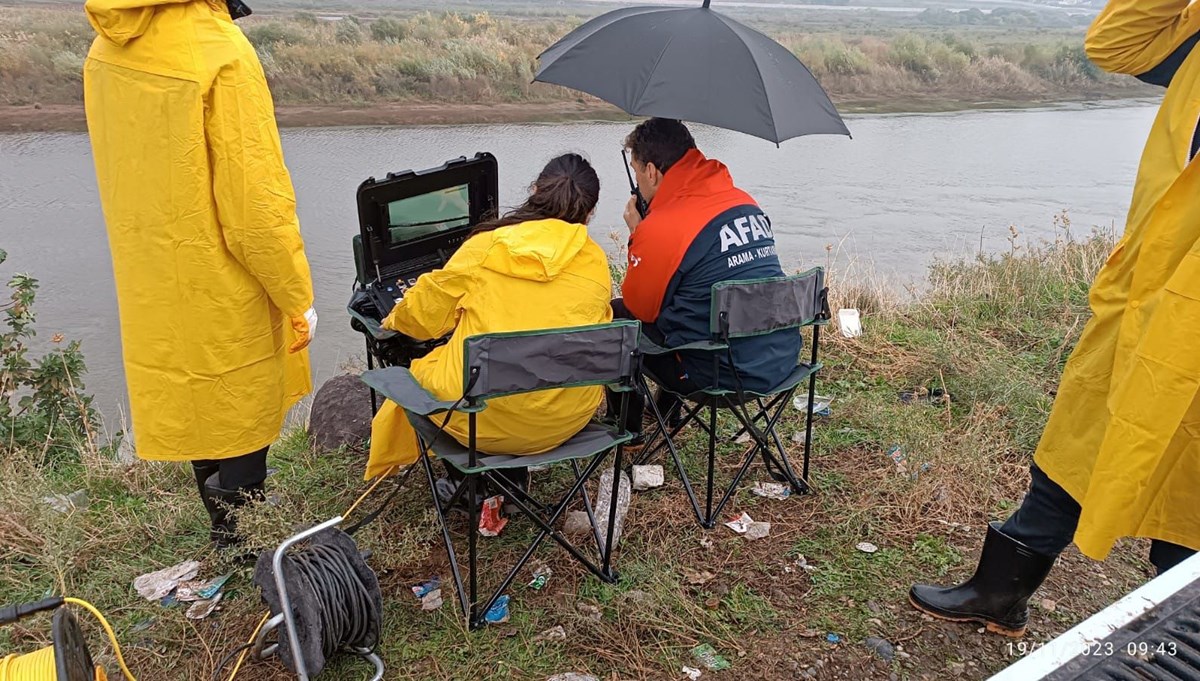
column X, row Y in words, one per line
column 798, row 374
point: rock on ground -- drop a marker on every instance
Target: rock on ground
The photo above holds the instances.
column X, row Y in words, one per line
column 341, row 413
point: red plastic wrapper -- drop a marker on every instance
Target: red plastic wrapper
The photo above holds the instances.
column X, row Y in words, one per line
column 490, row 521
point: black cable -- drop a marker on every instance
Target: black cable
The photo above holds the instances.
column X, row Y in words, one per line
column 350, row 617
column 370, row 517
column 217, row 673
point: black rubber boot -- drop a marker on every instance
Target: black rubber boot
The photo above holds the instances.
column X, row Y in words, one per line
column 224, row 527
column 997, row 594
column 203, row 473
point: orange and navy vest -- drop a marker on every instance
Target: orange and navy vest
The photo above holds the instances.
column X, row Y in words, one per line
column 701, row 230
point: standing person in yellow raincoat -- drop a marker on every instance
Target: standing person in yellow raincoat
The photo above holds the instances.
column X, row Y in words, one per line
column 534, row 268
column 1120, row 456
column 213, row 287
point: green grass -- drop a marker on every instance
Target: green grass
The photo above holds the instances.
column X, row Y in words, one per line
column 993, row 332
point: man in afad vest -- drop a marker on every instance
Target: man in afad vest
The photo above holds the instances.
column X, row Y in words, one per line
column 699, row 230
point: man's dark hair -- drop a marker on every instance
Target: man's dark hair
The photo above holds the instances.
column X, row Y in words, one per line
column 661, row 141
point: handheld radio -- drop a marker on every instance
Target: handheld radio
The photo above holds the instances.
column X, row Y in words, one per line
column 642, row 206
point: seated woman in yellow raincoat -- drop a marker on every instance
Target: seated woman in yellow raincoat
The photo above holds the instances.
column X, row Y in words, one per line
column 534, row 268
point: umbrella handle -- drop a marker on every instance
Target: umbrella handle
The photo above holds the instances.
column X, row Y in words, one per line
column 642, row 206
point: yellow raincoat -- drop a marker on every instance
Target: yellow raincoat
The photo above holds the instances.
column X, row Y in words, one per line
column 542, row 274
column 1124, row 435
column 210, row 269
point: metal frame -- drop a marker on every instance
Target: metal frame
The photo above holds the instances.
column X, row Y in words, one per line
column 542, row 515
column 766, row 441
column 1121, row 630
column 288, row 618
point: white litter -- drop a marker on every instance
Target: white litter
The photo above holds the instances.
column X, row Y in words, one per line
column 432, row 600
column 603, row 504
column 850, row 322
column 554, row 634
column 758, row 530
column 155, row 586
column 202, row 609
column 821, row 404
column 65, row 503
column 577, row 523
column 647, row 477
column 772, row 490
column 740, row 524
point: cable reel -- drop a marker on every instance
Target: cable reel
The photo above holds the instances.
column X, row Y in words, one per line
column 325, row 599
column 68, row 657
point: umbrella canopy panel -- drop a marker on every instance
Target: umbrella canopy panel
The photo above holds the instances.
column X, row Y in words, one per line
column 692, row 64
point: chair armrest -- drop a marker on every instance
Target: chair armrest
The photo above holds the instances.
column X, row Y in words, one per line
column 649, row 347
column 400, row 386
column 373, row 326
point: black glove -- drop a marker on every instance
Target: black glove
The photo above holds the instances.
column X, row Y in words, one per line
column 238, row 9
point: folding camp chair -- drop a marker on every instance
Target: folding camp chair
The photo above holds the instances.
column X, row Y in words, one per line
column 502, row 364
column 741, row 309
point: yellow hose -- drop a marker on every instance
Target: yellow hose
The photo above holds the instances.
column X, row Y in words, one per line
column 242, row 658
column 37, row 666
column 108, row 630
column 367, row 493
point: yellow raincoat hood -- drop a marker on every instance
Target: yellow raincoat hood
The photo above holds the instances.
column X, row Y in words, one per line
column 120, row 21
column 201, row 219
column 538, row 251
column 542, row 274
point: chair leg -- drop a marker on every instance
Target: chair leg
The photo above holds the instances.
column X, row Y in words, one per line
column 458, row 581
column 587, row 505
column 737, row 480
column 669, row 440
column 547, row 525
column 762, row 446
column 612, row 510
column 763, row 411
column 798, row 485
column 374, row 396
column 688, row 415
column 473, row 513
column 812, row 394
column 710, row 521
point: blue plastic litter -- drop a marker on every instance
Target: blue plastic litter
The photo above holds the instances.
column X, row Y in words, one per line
column 213, row 587
column 498, row 613
column 833, row 638
column 422, row 590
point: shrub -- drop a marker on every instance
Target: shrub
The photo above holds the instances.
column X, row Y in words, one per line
column 911, row 53
column 389, row 30
column 349, row 32
column 267, row 36
column 42, row 403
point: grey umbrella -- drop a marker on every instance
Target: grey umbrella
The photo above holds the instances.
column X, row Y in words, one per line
column 693, row 64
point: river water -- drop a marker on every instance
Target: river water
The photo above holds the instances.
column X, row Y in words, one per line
column 905, row 190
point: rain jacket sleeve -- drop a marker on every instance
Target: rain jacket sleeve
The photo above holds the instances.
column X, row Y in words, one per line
column 1136, row 37
column 431, row 308
column 255, row 203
